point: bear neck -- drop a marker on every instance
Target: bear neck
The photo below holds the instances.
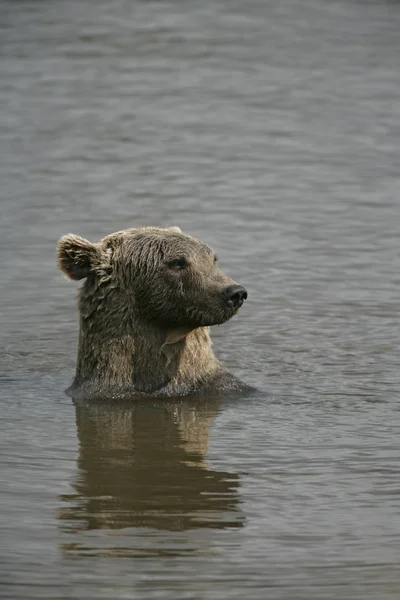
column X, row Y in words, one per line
column 130, row 356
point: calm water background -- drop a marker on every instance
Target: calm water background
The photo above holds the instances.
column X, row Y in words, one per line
column 271, row 130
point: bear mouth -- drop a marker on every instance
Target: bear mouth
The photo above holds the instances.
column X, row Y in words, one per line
column 195, row 317
column 232, row 313
column 209, row 320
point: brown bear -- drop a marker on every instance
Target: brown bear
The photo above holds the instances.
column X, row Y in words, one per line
column 148, row 299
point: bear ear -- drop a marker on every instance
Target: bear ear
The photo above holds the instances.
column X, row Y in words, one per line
column 177, row 229
column 77, row 256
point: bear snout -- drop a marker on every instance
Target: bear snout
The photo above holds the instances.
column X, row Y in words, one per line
column 234, row 295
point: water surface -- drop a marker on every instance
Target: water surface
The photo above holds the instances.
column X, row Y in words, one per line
column 270, row 130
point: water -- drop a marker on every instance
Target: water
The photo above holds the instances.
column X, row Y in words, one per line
column 270, row 130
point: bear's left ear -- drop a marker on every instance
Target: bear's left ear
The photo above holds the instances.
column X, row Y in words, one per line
column 77, row 256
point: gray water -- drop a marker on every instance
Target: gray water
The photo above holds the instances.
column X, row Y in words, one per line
column 270, row 130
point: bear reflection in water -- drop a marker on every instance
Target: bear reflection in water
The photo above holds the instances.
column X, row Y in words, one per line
column 144, row 466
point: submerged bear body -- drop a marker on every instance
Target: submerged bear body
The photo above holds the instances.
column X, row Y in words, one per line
column 146, row 305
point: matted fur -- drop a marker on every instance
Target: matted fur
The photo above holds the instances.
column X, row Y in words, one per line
column 146, row 304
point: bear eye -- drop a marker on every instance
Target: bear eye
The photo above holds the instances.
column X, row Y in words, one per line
column 178, row 264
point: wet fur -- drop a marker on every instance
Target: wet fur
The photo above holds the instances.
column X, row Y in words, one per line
column 143, row 326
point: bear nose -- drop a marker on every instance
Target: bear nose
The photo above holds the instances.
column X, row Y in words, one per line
column 234, row 295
